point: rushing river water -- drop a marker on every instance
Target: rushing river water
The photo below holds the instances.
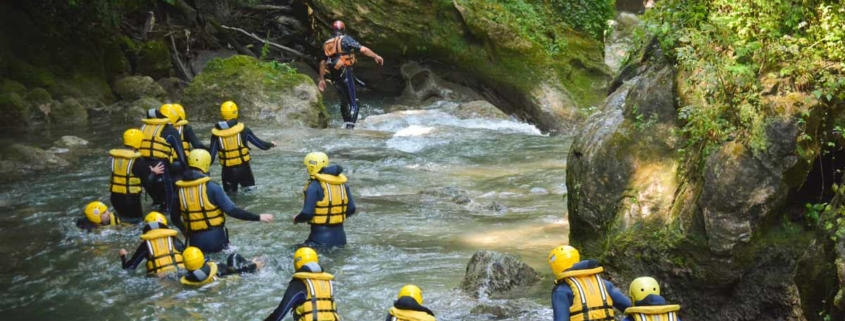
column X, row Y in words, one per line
column 513, row 175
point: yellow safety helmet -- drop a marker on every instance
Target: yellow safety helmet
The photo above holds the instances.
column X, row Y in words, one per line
column 562, row 258
column 155, row 217
column 132, row 138
column 304, row 256
column 94, row 210
column 411, row 291
column 193, row 258
column 199, row 159
column 180, row 111
column 316, row 161
column 229, row 110
column 641, row 287
column 170, row 112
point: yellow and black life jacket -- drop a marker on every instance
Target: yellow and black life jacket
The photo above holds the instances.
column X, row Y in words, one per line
column 162, row 256
column 154, row 145
column 198, row 212
column 180, row 126
column 122, row 179
column 319, row 298
column 590, row 301
column 233, row 151
column 333, row 48
column 208, row 278
column 654, row 313
column 332, row 208
column 409, row 315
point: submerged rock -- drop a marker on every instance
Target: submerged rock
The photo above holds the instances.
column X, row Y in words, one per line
column 490, row 273
column 479, row 109
column 19, row 159
column 137, row 87
column 262, row 90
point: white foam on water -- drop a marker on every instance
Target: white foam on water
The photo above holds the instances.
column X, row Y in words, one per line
column 403, row 121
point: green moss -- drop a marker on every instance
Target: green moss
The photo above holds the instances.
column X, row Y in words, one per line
column 15, row 110
column 30, row 75
column 39, row 96
column 154, row 60
column 11, row 86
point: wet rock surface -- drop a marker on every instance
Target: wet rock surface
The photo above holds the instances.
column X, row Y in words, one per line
column 494, row 274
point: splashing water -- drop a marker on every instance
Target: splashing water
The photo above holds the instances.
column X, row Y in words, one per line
column 511, row 174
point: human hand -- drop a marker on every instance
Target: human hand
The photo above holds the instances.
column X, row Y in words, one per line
column 123, row 252
column 266, row 218
column 379, row 60
column 259, row 264
column 321, row 85
column 274, row 143
column 158, row 169
column 294, row 219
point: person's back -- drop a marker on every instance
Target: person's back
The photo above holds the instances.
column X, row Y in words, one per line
column 580, row 293
column 648, row 304
column 328, row 202
column 229, row 143
column 408, row 306
column 310, row 294
column 159, row 247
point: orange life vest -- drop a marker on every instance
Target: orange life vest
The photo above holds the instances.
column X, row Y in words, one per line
column 333, row 49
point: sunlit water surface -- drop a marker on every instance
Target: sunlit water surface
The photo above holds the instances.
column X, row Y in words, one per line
column 513, row 175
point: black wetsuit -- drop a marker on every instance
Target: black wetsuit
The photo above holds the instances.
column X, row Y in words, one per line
column 240, row 174
column 214, row 239
column 161, row 189
column 85, row 224
column 343, row 80
column 142, row 253
column 408, row 303
column 236, row 265
column 128, row 206
column 295, row 295
column 323, row 236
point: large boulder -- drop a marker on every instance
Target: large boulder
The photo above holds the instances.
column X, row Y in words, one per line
column 18, row 159
column 479, row 109
column 717, row 237
column 69, row 111
column 423, row 87
column 16, row 112
column 494, row 274
column 524, row 57
column 154, row 60
column 137, row 87
column 262, row 90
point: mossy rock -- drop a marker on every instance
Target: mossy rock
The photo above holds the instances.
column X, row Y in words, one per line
column 30, row 75
column 154, row 60
column 15, row 110
column 136, row 87
column 11, row 86
column 138, row 108
column 39, row 96
column 115, row 62
column 262, row 90
column 69, row 111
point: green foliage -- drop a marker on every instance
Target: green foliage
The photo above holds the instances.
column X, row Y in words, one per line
column 265, row 50
column 726, row 47
column 640, row 121
column 590, row 16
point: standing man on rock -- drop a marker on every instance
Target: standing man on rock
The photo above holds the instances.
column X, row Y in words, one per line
column 340, row 57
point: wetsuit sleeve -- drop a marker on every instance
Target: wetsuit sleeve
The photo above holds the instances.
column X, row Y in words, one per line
column 628, row 318
column 139, row 256
column 294, row 296
column 350, row 208
column 176, row 213
column 389, row 317
column 213, row 147
column 313, row 195
column 219, row 198
column 350, row 44
column 250, row 137
column 176, row 143
column 192, row 138
column 620, row 300
column 561, row 302
column 178, row 244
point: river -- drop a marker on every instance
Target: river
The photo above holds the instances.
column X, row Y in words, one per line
column 512, row 174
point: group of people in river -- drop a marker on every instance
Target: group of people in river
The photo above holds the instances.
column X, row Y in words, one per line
column 165, row 158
